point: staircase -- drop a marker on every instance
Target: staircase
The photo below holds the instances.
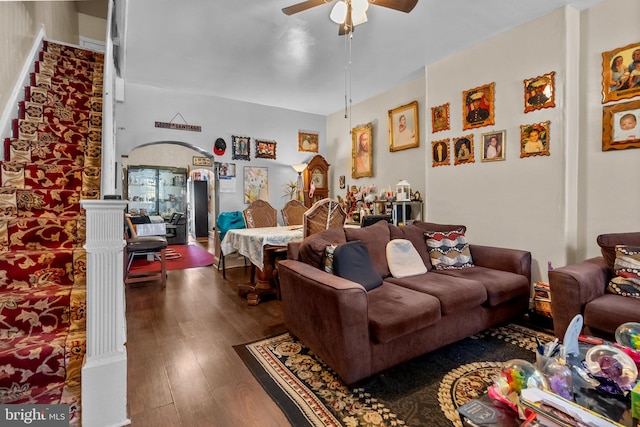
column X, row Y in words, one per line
column 52, row 162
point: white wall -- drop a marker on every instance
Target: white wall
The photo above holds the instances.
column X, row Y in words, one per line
column 518, row 202
column 388, row 167
column 610, row 195
column 219, row 118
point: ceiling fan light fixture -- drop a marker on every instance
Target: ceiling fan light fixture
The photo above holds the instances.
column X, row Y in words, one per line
column 358, row 19
column 339, row 12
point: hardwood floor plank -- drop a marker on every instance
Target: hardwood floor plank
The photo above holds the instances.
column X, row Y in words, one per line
column 182, row 368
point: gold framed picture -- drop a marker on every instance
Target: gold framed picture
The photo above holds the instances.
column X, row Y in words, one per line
column 362, row 151
column 463, row 150
column 534, row 139
column 540, row 92
column 493, row 146
column 403, row 127
column 620, row 128
column 440, row 153
column 478, row 106
column 440, row 118
column 621, row 73
column 308, row 142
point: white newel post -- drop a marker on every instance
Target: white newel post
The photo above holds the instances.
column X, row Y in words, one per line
column 104, row 374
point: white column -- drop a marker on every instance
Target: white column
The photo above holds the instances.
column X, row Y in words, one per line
column 104, row 374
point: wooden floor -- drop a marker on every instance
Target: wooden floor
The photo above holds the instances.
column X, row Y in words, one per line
column 182, row 369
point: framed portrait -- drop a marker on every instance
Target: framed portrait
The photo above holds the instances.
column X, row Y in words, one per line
column 265, row 149
column 493, row 146
column 240, row 147
column 256, row 183
column 620, row 128
column 534, row 139
column 463, row 150
column 440, row 118
column 403, row 127
column 341, row 181
column 540, row 92
column 362, row 151
column 308, row 142
column 478, row 107
column 621, row 73
column 440, row 153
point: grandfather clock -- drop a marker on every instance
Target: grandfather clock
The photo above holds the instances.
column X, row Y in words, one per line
column 317, row 171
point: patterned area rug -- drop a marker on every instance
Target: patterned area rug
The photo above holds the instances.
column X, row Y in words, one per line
column 422, row 392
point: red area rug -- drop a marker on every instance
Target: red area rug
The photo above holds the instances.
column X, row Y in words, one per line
column 179, row 257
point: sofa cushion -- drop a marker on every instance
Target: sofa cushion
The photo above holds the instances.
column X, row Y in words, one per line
column 609, row 311
column 375, row 237
column 626, row 283
column 403, row 259
column 415, row 235
column 328, row 258
column 395, row 311
column 312, row 249
column 351, row 261
column 608, row 242
column 448, row 249
column 455, row 294
column 501, row 286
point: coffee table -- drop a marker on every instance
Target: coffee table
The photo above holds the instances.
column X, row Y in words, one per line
column 613, row 408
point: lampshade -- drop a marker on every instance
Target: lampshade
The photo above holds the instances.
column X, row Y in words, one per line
column 300, row 167
column 358, row 12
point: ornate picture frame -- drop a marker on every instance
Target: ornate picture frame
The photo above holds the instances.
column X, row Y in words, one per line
column 265, row 149
column 256, row 183
column 440, row 153
column 463, row 150
column 240, row 147
column 362, row 151
column 493, row 146
column 621, row 73
column 404, row 129
column 478, row 107
column 540, row 92
column 534, row 139
column 440, row 118
column 308, row 142
column 620, row 127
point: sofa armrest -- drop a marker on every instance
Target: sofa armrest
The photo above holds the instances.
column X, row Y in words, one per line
column 293, row 250
column 505, row 259
column 572, row 287
column 329, row 314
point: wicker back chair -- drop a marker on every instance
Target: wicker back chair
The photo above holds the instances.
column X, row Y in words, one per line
column 260, row 214
column 324, row 214
column 292, row 212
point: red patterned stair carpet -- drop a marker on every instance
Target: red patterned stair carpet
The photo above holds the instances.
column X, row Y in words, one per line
column 52, row 162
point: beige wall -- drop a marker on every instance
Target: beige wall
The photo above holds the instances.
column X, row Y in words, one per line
column 20, row 23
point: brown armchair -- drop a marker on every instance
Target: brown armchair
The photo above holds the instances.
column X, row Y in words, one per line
column 145, row 245
column 324, row 214
column 292, row 212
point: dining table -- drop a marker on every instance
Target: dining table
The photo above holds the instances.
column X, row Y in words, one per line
column 261, row 246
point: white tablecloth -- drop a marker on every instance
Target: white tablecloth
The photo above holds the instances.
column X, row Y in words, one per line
column 250, row 242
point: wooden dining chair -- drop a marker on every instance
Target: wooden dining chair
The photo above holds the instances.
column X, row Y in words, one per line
column 260, row 214
column 324, row 214
column 156, row 246
column 292, row 212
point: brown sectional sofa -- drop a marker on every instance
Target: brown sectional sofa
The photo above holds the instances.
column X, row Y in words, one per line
column 581, row 289
column 359, row 333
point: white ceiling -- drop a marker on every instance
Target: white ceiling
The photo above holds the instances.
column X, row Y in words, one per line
column 249, row 50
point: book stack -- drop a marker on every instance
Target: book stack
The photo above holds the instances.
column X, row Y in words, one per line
column 542, row 299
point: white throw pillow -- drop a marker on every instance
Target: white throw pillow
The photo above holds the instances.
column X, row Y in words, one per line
column 403, row 259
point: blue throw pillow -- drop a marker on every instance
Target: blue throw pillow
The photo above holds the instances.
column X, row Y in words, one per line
column 351, row 261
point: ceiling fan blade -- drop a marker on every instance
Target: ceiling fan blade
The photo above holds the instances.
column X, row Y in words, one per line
column 401, row 5
column 347, row 26
column 303, row 6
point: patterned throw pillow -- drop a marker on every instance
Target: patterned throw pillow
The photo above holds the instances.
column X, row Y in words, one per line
column 448, row 250
column 328, row 258
column 627, row 268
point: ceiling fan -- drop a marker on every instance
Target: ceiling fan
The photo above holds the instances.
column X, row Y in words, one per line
column 349, row 13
